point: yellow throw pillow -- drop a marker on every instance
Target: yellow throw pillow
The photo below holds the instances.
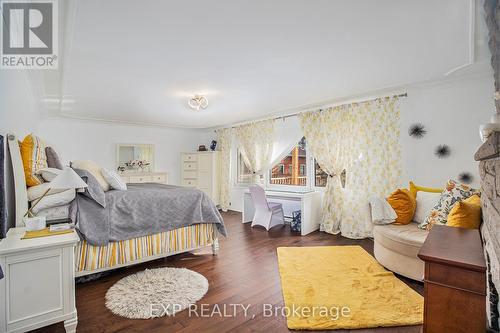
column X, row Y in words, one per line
column 466, row 213
column 415, row 188
column 404, row 204
column 34, row 159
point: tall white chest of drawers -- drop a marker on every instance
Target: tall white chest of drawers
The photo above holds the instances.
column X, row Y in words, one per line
column 199, row 170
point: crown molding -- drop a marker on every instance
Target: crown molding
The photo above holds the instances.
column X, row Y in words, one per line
column 386, row 91
column 118, row 122
column 372, row 94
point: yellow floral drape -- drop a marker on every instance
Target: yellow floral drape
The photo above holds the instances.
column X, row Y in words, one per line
column 255, row 142
column 363, row 140
column 224, row 136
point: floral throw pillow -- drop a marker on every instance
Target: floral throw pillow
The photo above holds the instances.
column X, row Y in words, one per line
column 453, row 193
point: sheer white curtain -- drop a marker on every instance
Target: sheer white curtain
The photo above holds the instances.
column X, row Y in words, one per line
column 255, row 142
column 224, row 138
column 363, row 140
column 287, row 134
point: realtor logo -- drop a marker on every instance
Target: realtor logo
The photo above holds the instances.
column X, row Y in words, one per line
column 29, row 34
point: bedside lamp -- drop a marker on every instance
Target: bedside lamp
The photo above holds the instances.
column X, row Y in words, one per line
column 67, row 179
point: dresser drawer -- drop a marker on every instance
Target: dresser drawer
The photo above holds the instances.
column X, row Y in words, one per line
column 189, row 166
column 190, row 174
column 161, row 178
column 189, row 182
column 141, row 179
column 456, row 277
column 189, row 158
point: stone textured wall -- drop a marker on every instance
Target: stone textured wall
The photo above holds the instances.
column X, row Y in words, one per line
column 492, row 17
column 489, row 168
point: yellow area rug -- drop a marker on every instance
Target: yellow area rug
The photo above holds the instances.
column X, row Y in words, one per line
column 343, row 287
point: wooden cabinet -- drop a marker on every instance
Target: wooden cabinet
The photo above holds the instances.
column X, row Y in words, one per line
column 199, row 170
column 39, row 284
column 144, row 177
column 455, row 281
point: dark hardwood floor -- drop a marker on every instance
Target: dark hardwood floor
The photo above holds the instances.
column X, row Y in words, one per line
column 245, row 271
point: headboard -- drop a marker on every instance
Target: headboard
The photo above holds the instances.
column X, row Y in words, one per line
column 20, row 193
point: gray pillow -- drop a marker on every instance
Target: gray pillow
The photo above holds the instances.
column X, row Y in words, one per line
column 53, row 160
column 93, row 190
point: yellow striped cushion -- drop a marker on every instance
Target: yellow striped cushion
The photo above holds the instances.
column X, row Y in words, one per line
column 34, row 159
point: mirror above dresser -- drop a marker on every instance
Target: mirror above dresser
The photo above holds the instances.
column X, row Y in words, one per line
column 135, row 163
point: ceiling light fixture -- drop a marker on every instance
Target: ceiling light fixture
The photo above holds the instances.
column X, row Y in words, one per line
column 198, row 102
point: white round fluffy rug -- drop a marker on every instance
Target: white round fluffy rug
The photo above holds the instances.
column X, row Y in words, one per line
column 156, row 292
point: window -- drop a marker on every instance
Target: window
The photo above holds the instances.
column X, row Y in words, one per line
column 297, row 171
column 303, row 170
column 320, row 177
column 244, row 176
column 294, row 170
column 282, row 168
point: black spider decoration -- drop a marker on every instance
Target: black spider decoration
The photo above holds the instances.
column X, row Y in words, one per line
column 442, row 151
column 417, row 131
column 466, row 177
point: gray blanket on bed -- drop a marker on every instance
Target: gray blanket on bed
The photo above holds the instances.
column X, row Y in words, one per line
column 143, row 209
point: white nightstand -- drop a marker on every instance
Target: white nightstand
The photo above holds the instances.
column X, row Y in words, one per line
column 39, row 284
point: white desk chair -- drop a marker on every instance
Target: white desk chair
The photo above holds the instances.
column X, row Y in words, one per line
column 267, row 214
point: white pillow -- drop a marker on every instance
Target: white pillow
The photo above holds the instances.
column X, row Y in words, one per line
column 35, row 192
column 114, row 179
column 54, row 200
column 425, row 202
column 48, row 174
column 94, row 169
column 381, row 212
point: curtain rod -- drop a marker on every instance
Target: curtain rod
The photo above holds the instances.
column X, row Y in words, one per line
column 320, row 108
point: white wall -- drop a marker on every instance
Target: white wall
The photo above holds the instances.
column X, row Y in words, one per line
column 451, row 112
column 18, row 111
column 76, row 140
column 18, row 115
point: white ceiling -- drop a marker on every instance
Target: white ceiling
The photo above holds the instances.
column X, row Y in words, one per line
column 139, row 61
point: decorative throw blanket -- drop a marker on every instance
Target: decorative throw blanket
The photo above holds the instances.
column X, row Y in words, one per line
column 143, row 209
column 382, row 212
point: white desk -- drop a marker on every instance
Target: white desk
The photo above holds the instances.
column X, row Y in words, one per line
column 308, row 202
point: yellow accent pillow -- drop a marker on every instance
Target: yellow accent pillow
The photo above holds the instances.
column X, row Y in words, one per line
column 415, row 188
column 34, row 159
column 403, row 202
column 466, row 213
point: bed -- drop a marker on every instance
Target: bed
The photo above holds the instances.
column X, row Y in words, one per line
column 95, row 254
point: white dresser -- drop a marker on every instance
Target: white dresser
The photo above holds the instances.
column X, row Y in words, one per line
column 144, row 177
column 39, row 284
column 199, row 170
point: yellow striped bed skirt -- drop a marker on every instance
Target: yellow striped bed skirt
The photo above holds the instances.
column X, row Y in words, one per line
column 89, row 257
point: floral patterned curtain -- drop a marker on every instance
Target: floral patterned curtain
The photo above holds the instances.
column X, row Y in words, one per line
column 363, row 140
column 255, row 141
column 224, row 136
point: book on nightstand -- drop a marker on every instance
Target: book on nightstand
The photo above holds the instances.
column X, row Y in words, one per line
column 52, row 230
